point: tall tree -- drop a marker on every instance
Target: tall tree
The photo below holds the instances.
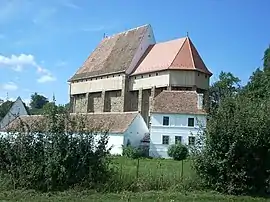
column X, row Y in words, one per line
column 258, row 86
column 38, row 101
column 227, row 85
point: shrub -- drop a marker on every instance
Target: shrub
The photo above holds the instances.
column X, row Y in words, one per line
column 132, row 152
column 52, row 157
column 178, row 152
column 236, row 156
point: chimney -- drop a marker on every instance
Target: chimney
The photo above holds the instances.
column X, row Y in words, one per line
column 200, row 101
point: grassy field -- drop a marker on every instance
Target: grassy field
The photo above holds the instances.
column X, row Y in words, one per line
column 144, row 180
column 125, row 196
column 150, row 174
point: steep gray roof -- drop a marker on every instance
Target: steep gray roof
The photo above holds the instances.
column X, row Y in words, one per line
column 113, row 55
column 17, row 109
column 117, row 122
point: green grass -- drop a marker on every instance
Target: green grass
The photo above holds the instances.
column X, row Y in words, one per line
column 150, row 174
column 158, row 180
column 125, row 196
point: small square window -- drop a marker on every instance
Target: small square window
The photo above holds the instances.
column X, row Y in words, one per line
column 166, row 120
column 165, row 139
column 190, row 122
column 178, row 139
column 191, row 140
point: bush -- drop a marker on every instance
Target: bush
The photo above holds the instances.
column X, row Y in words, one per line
column 236, row 156
column 178, row 152
column 52, row 157
column 132, row 152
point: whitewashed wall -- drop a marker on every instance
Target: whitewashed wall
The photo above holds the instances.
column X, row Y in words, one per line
column 136, row 131
column 178, row 126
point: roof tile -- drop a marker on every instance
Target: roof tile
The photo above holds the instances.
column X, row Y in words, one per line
column 182, row 102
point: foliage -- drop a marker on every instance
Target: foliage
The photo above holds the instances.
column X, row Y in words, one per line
column 178, row 152
column 227, row 85
column 236, row 158
column 132, row 152
column 236, row 155
column 258, row 86
column 56, row 158
column 38, row 101
column 4, row 108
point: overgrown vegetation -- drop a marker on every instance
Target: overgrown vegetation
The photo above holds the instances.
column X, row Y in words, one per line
column 62, row 155
column 236, row 156
column 178, row 152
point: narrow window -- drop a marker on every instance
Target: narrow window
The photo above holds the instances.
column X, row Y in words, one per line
column 191, row 140
column 156, row 74
column 142, row 76
column 165, row 139
column 165, row 120
column 190, row 122
column 149, row 75
column 178, row 139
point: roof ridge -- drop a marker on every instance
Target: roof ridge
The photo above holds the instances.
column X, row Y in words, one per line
column 128, row 30
column 191, row 53
column 178, row 52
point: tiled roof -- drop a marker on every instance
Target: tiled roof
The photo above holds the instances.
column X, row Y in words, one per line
column 182, row 102
column 176, row 54
column 113, row 55
column 113, row 122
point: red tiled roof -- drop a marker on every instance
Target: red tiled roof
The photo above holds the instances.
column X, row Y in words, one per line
column 175, row 54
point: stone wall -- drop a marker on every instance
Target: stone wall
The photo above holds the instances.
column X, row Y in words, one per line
column 95, row 102
column 113, row 101
column 80, row 103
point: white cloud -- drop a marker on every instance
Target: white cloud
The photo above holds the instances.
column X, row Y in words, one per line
column 46, row 78
column 10, row 86
column 18, row 63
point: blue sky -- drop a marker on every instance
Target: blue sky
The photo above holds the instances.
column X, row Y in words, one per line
column 43, row 43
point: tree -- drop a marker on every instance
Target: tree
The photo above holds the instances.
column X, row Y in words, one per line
column 227, row 85
column 38, row 101
column 4, row 108
column 178, row 152
column 258, row 86
column 236, row 155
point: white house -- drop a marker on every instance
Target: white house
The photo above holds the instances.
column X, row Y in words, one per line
column 17, row 109
column 177, row 116
column 123, row 127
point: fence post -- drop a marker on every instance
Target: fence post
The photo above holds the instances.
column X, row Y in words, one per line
column 182, row 169
column 138, row 165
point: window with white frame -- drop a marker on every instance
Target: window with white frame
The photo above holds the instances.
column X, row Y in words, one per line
column 165, row 139
column 191, row 122
column 166, row 120
column 178, row 139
